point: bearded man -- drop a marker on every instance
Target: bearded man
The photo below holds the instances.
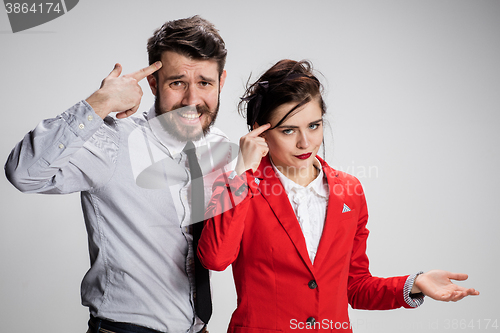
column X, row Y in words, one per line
column 137, row 180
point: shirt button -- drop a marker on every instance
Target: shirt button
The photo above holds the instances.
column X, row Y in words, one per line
column 90, row 117
column 61, row 146
column 81, row 126
column 241, row 190
column 311, row 321
column 312, row 284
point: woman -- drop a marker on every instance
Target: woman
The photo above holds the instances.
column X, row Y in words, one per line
column 293, row 228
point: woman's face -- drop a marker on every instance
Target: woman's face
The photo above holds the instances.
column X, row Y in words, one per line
column 294, row 144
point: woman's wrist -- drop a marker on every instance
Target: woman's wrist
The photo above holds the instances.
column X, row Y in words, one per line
column 415, row 288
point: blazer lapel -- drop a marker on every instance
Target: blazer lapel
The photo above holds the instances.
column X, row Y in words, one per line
column 272, row 190
column 333, row 213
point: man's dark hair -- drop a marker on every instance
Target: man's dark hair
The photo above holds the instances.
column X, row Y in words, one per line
column 193, row 37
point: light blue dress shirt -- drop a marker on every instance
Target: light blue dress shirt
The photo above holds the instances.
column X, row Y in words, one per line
column 134, row 186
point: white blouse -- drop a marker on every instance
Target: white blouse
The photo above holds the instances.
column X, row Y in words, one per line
column 309, row 204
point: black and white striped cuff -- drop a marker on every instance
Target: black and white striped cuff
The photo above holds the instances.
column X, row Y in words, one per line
column 415, row 300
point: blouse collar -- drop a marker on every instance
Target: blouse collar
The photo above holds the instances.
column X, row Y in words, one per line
column 318, row 185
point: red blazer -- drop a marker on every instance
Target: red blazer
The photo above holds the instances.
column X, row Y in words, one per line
column 251, row 225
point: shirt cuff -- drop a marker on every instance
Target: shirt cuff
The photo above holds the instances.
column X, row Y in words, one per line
column 413, row 300
column 241, row 187
column 82, row 120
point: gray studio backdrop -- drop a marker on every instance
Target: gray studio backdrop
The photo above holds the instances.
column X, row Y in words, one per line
column 413, row 94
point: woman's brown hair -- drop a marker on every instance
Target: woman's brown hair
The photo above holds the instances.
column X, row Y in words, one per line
column 285, row 82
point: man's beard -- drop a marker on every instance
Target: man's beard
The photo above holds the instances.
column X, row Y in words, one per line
column 170, row 122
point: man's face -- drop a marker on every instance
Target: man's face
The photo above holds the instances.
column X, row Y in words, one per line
column 187, row 94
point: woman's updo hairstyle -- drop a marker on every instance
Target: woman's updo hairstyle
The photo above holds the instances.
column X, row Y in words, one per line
column 287, row 81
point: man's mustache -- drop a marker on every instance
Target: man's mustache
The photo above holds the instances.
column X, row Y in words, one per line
column 203, row 109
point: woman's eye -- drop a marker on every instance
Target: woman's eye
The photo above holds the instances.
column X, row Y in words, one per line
column 313, row 126
column 288, row 131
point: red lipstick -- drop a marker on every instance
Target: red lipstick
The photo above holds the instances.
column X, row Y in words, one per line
column 303, row 156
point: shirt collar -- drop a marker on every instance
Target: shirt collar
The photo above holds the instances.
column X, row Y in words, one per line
column 173, row 145
column 318, row 185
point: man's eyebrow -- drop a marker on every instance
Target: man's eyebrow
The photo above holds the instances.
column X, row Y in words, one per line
column 181, row 76
column 207, row 79
column 294, row 126
column 174, row 77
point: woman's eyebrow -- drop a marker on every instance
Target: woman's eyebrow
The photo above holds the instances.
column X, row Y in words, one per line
column 294, row 126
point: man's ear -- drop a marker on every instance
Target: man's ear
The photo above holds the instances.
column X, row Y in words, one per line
column 153, row 83
column 222, row 79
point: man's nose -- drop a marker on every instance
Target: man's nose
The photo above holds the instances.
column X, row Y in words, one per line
column 191, row 96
